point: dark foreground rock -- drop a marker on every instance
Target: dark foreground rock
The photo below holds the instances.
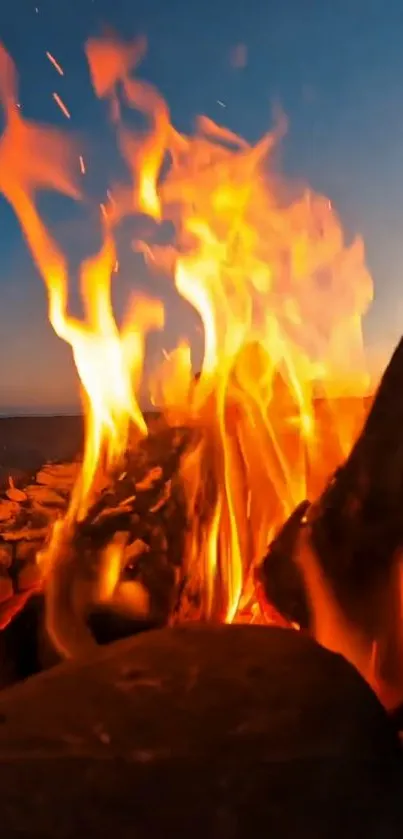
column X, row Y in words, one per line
column 206, row 732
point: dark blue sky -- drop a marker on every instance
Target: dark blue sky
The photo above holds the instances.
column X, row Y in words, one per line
column 336, row 68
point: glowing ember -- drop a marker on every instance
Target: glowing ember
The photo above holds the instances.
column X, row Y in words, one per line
column 61, row 105
column 281, row 300
column 55, row 63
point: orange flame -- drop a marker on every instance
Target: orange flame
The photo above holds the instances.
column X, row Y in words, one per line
column 109, row 360
column 280, row 298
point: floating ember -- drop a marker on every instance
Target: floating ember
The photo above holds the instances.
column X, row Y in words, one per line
column 275, row 408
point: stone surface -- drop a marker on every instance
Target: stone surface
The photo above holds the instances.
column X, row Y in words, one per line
column 203, row 732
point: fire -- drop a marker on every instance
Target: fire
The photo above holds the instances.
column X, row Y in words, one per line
column 279, row 294
column 109, row 360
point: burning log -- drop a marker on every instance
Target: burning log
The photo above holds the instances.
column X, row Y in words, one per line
column 349, row 543
column 281, row 577
column 202, row 731
column 356, row 526
column 142, row 499
column 146, row 506
column 145, row 502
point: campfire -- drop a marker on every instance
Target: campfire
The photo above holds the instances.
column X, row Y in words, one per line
column 189, row 501
column 165, row 517
column 167, row 521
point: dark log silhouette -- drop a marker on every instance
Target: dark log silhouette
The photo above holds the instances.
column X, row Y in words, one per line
column 200, row 731
column 281, row 577
column 356, row 526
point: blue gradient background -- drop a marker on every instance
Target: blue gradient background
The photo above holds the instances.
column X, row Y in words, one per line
column 336, row 68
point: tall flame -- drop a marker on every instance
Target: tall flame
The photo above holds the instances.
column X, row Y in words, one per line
column 109, row 361
column 279, row 295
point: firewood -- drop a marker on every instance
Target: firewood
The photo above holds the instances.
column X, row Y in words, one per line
column 6, row 588
column 356, row 526
column 15, row 494
column 60, row 476
column 27, row 533
column 9, row 511
column 6, row 556
column 29, row 577
column 146, row 503
column 44, row 496
column 281, row 577
column 144, row 500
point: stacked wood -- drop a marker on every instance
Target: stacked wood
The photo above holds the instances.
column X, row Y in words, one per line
column 203, row 732
column 281, row 577
column 144, row 498
column 146, row 505
column 26, row 515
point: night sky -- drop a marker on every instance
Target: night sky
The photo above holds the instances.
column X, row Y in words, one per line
column 335, row 67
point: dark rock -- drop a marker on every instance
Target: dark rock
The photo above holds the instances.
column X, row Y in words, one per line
column 25, row 648
column 204, row 732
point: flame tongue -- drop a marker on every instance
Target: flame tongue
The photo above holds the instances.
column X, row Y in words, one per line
column 279, row 296
column 109, row 361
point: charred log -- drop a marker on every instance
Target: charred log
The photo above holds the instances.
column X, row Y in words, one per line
column 146, row 503
column 280, row 575
column 144, row 500
column 201, row 731
column 356, row 526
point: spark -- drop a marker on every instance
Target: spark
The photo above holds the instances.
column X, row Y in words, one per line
column 82, row 165
column 61, row 105
column 55, row 63
column 222, row 104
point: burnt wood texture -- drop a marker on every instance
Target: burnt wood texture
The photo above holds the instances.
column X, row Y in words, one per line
column 356, row 525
